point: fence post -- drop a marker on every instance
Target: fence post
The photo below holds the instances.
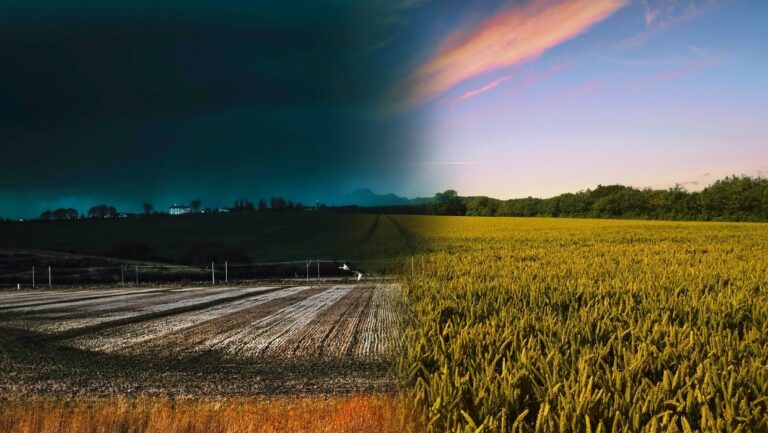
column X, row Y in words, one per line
column 213, row 274
column 318, row 269
column 137, row 274
column 226, row 272
column 49, row 277
column 33, row 277
column 308, row 262
column 122, row 275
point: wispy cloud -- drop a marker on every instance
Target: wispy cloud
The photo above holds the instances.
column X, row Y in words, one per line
column 474, row 92
column 444, row 163
column 651, row 13
column 686, row 68
column 512, row 36
column 660, row 18
column 543, row 75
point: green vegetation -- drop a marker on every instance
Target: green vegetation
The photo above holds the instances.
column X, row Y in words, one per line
column 561, row 325
column 731, row 199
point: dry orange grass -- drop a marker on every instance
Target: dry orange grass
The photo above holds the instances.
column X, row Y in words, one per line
column 338, row 414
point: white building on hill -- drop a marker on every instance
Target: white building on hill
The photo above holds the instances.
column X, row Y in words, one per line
column 179, row 209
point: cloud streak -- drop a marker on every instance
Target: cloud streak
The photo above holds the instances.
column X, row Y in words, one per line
column 474, row 92
column 511, row 36
column 662, row 19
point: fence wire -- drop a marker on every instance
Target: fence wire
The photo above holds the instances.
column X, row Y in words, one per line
column 221, row 272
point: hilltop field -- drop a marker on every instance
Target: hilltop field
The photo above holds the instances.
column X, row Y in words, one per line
column 500, row 325
column 170, row 249
column 246, row 237
column 550, row 325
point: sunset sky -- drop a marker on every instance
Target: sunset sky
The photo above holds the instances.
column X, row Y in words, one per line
column 543, row 97
column 139, row 101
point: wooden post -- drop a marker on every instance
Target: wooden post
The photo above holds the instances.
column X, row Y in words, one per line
column 137, row 274
column 213, row 274
column 226, row 272
column 33, row 277
column 49, row 277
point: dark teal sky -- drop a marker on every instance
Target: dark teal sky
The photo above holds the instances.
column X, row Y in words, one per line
column 124, row 102
column 132, row 101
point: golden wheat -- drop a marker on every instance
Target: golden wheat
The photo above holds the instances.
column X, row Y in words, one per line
column 543, row 325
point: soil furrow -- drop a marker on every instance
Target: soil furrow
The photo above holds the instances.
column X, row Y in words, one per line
column 79, row 332
column 322, row 336
column 78, row 299
column 191, row 338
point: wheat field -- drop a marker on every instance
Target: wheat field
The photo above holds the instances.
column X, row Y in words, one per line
column 556, row 325
column 513, row 325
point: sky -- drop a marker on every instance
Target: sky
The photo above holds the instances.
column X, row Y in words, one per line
column 127, row 102
column 539, row 98
column 133, row 101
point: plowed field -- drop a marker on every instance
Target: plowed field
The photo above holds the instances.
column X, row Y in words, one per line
column 317, row 339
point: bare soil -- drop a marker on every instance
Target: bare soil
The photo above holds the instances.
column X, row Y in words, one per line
column 225, row 341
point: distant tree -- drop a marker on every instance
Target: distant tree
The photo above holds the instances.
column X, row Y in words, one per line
column 262, row 204
column 735, row 198
column 59, row 214
column 528, row 206
column 482, row 206
column 102, row 211
column 64, row 214
column 278, row 203
column 196, row 204
column 448, row 203
column 242, row 205
column 148, row 209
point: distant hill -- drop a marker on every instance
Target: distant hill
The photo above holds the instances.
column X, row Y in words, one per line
column 367, row 198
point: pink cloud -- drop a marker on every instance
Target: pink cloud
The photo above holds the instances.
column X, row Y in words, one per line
column 650, row 13
column 543, row 75
column 510, row 37
column 472, row 93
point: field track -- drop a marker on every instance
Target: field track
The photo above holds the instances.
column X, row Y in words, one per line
column 344, row 334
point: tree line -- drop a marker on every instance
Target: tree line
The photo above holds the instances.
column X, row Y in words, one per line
column 106, row 211
column 63, row 214
column 275, row 203
column 735, row 198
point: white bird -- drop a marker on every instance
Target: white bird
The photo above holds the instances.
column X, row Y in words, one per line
column 345, row 267
column 359, row 275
